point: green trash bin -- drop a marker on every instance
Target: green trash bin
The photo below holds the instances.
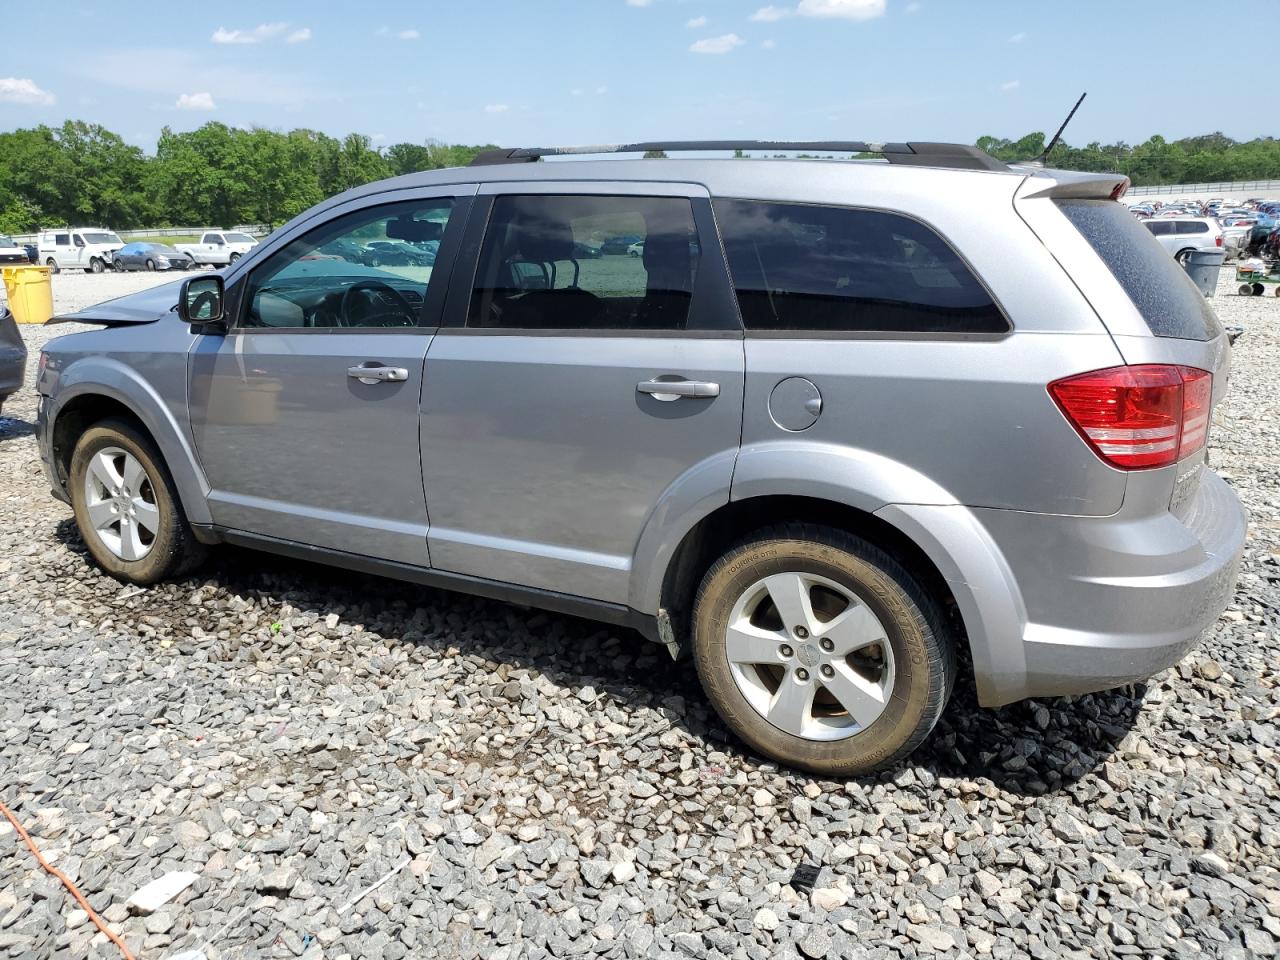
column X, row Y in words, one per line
column 30, row 293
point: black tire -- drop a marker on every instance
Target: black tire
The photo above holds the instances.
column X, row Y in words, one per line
column 923, row 652
column 118, row 265
column 151, row 265
column 96, row 265
column 52, row 264
column 233, row 258
column 174, row 550
column 1184, row 257
column 1259, row 289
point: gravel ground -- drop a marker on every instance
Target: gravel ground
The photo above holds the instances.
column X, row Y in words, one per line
column 289, row 734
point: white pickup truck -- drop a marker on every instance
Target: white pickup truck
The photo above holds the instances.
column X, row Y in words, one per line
column 218, row 247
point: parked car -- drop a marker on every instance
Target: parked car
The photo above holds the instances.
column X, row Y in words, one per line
column 13, row 356
column 614, row 246
column 87, row 249
column 1181, row 236
column 218, row 247
column 397, row 253
column 150, row 256
column 10, row 252
column 886, row 412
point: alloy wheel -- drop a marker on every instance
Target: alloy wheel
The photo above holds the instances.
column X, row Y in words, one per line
column 121, row 502
column 809, row 656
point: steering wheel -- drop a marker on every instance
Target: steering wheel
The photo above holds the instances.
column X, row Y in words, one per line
column 403, row 316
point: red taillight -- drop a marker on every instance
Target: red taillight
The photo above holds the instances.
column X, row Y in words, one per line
column 1218, row 239
column 1148, row 415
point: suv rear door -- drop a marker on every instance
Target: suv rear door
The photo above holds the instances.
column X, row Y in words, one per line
column 548, row 435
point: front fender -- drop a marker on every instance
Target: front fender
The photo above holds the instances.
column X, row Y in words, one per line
column 103, row 376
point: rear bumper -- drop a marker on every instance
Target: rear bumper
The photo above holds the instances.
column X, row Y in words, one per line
column 1092, row 603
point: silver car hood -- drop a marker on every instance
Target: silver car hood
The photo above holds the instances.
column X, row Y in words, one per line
column 147, row 306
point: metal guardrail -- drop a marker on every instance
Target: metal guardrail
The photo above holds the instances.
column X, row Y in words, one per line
column 1223, row 186
column 253, row 229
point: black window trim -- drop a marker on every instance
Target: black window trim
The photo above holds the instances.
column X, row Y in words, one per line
column 433, row 302
column 903, row 335
column 712, row 293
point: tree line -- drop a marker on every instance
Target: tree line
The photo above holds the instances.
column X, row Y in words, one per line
column 82, row 173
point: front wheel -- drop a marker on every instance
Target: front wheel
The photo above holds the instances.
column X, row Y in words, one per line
column 234, row 257
column 117, row 265
column 52, row 264
column 126, row 506
column 151, row 265
column 821, row 651
column 96, row 265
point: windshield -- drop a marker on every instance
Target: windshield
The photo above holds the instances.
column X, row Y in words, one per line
column 6, row 241
column 238, row 238
column 101, row 238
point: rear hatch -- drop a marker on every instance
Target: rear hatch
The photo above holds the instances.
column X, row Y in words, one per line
column 1152, row 309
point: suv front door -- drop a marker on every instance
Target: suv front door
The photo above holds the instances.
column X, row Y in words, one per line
column 305, row 414
column 573, row 394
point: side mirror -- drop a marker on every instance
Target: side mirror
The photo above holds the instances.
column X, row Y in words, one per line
column 200, row 303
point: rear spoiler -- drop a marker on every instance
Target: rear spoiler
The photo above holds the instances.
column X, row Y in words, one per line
column 1068, row 184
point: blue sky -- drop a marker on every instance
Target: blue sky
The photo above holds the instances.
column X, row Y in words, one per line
column 538, row 72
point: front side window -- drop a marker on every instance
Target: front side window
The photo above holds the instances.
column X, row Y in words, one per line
column 341, row 275
column 586, row 263
column 799, row 267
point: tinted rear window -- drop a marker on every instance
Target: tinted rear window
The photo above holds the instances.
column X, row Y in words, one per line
column 1165, row 296
column 800, row 267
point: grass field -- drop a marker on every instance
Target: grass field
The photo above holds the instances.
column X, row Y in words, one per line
column 166, row 240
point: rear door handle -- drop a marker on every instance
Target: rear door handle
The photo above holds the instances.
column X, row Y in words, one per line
column 377, row 373
column 667, row 390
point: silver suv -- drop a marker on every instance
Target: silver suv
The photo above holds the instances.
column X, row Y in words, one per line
column 834, row 424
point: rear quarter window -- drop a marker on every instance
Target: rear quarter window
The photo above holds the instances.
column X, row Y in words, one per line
column 1160, row 290
column 807, row 267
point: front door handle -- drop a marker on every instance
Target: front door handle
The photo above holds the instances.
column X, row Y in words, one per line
column 667, row 390
column 377, row 373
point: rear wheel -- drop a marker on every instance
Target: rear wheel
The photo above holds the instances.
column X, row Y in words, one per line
column 1184, row 256
column 819, row 650
column 126, row 507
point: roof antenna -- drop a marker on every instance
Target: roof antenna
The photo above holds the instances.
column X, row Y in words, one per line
column 1043, row 158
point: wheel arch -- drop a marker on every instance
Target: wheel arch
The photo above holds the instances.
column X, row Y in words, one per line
column 116, row 391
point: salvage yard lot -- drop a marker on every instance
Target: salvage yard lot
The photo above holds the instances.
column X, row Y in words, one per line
column 292, row 733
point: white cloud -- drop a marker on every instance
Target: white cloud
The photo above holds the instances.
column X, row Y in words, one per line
column 577, row 91
column 911, row 8
column 378, row 137
column 1011, row 85
column 408, row 35
column 768, row 44
column 601, row 91
column 263, row 31
column 722, row 44
column 301, row 35
column 696, row 23
column 497, row 107
column 24, row 90
column 119, row 69
column 1017, row 38
column 770, row 14
column 638, row 3
column 842, row 9
column 196, row 101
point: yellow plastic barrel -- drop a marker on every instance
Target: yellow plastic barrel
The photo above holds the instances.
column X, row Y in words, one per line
column 30, row 293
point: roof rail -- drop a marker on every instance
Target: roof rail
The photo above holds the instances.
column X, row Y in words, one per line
column 959, row 156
